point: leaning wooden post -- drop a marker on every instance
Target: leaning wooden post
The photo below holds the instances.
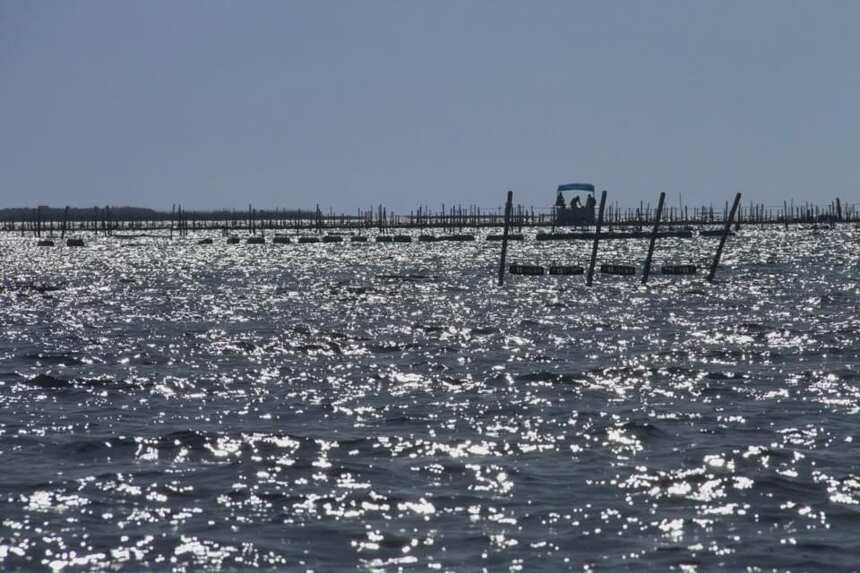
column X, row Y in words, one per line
column 739, row 216
column 590, row 278
column 508, row 206
column 647, row 270
column 726, row 229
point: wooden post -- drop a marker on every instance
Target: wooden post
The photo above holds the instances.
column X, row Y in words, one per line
column 739, row 215
column 838, row 210
column 647, row 270
column 590, row 278
column 65, row 222
column 726, row 229
column 508, row 206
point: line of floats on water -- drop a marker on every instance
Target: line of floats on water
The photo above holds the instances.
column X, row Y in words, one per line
column 515, row 269
column 424, row 238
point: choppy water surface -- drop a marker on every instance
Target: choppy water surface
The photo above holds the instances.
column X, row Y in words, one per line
column 385, row 407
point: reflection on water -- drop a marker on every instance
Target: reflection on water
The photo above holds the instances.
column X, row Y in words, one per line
column 321, row 406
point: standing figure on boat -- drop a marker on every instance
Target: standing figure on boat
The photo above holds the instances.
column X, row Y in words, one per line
column 559, row 201
column 574, row 203
column 591, row 201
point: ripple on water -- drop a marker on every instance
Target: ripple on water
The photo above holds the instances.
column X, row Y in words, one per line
column 322, row 406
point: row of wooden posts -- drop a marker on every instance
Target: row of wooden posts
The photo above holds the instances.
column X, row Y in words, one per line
column 178, row 220
column 727, row 224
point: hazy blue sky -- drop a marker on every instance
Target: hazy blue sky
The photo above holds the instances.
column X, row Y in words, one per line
column 218, row 104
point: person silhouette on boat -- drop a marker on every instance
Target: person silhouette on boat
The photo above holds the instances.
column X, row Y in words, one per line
column 574, row 203
column 559, row 201
column 591, row 201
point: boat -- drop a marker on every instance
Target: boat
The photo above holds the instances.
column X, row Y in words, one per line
column 573, row 214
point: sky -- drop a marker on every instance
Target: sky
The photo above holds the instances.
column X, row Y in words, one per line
column 349, row 104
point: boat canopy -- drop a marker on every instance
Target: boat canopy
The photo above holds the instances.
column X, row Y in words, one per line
column 577, row 187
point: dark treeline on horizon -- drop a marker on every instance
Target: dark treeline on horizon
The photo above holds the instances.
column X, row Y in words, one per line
column 126, row 212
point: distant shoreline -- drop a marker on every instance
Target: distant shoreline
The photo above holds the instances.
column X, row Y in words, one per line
column 47, row 212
